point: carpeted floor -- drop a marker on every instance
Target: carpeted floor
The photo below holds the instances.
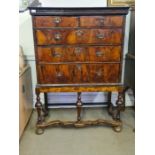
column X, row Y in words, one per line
column 84, row 141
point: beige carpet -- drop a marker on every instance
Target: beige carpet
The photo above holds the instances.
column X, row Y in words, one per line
column 85, row 141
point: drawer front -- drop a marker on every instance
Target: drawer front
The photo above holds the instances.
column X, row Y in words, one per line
column 80, row 36
column 55, row 21
column 78, row 73
column 80, row 54
column 93, row 21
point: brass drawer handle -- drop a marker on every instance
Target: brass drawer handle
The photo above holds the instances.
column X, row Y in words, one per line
column 99, row 36
column 78, row 66
column 101, row 21
column 99, row 73
column 99, row 53
column 57, row 36
column 59, row 74
column 57, row 20
column 78, row 50
column 79, row 32
column 55, row 54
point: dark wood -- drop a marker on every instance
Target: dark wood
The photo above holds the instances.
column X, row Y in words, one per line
column 79, row 50
column 46, row 104
column 39, row 108
column 79, row 106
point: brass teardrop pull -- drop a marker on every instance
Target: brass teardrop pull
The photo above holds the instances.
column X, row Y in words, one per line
column 57, row 36
column 59, row 74
column 101, row 21
column 99, row 53
column 99, row 73
column 78, row 50
column 79, row 32
column 100, row 36
column 78, row 66
column 56, row 54
column 57, row 20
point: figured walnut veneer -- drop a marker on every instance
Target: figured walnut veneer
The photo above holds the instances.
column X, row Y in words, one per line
column 79, row 50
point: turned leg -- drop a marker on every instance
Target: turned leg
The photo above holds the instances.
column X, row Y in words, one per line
column 46, row 104
column 79, row 106
column 39, row 108
column 120, row 103
column 110, row 106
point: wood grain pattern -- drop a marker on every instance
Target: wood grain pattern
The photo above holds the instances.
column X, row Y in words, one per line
column 79, row 50
column 55, row 21
column 93, row 21
column 80, row 36
column 78, row 73
column 79, row 88
column 79, row 54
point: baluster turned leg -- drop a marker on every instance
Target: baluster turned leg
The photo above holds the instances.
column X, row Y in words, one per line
column 46, row 104
column 110, row 106
column 39, row 108
column 120, row 107
column 120, row 104
column 40, row 113
column 79, row 106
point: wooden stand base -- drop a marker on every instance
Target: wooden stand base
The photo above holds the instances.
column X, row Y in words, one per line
column 78, row 124
column 114, row 111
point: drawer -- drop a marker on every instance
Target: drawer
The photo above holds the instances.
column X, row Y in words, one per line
column 80, row 36
column 55, row 21
column 79, row 54
column 97, row 21
column 78, row 73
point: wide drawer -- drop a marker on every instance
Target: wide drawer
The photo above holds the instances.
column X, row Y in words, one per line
column 78, row 36
column 78, row 73
column 55, row 21
column 79, row 54
column 97, row 21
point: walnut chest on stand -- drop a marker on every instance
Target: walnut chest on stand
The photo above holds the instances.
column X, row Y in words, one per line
column 79, row 50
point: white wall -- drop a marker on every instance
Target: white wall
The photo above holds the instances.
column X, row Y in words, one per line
column 26, row 41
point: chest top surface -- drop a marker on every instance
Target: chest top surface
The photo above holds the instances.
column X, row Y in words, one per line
column 47, row 7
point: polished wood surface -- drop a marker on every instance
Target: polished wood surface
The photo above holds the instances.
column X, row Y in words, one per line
column 79, row 50
column 110, row 21
column 79, row 54
column 78, row 73
column 55, row 21
column 78, row 36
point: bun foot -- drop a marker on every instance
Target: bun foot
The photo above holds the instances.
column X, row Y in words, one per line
column 117, row 128
column 39, row 131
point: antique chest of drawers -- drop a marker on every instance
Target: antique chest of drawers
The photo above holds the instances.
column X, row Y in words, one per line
column 79, row 50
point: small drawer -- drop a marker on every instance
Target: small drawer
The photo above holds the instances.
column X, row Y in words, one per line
column 79, row 36
column 98, row 21
column 79, row 54
column 78, row 73
column 55, row 21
